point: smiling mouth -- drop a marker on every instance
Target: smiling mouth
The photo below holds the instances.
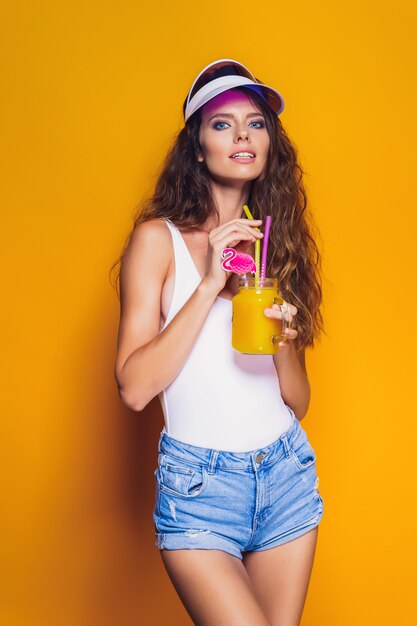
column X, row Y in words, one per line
column 243, row 155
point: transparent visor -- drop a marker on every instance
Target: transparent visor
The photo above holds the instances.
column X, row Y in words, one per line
column 216, row 70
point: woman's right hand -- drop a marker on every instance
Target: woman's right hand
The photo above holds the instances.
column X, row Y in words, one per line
column 227, row 235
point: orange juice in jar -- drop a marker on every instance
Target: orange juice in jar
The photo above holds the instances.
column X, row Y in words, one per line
column 252, row 331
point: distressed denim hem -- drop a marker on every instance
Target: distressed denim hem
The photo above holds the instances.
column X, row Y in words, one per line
column 196, row 539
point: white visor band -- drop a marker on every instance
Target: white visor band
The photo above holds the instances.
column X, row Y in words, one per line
column 218, row 85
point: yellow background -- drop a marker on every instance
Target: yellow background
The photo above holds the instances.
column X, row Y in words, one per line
column 91, row 100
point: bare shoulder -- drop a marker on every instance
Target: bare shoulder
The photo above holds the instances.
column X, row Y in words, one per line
column 149, row 247
column 154, row 227
column 150, row 233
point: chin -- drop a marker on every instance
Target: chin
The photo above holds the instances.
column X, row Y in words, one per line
column 233, row 182
column 237, row 179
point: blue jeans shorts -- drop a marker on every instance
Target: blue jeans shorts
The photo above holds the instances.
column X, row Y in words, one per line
column 235, row 501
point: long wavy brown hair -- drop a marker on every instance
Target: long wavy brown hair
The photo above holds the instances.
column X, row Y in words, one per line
column 183, row 195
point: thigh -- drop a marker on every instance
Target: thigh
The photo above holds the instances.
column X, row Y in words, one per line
column 280, row 577
column 214, row 587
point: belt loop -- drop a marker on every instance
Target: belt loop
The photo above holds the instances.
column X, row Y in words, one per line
column 287, row 448
column 163, row 431
column 213, row 460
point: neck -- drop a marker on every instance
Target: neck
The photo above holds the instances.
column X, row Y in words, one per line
column 230, row 200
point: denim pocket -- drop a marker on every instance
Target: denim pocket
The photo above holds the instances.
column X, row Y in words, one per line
column 303, row 452
column 179, row 478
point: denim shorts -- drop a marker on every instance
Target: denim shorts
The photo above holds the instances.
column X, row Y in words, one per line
column 235, row 501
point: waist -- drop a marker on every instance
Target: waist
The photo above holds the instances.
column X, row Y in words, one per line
column 229, row 459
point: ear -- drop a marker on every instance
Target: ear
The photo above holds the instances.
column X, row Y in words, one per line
column 200, row 155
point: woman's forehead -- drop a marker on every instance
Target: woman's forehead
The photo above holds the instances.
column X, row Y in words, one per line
column 228, row 98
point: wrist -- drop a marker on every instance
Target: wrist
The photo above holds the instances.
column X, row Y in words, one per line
column 288, row 350
column 208, row 288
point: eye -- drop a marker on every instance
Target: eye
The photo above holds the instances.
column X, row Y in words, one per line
column 260, row 122
column 216, row 124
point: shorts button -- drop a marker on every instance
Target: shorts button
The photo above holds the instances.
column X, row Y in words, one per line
column 259, row 457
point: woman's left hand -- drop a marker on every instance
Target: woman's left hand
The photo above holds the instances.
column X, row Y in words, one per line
column 275, row 312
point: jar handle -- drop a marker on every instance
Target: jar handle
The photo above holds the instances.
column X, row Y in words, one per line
column 285, row 315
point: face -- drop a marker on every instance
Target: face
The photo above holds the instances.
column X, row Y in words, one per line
column 232, row 124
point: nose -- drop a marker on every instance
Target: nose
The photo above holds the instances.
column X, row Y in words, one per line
column 242, row 134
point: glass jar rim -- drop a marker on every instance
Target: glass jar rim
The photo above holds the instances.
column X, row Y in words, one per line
column 250, row 282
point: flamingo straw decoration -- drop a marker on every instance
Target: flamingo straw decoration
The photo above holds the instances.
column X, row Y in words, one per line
column 239, row 263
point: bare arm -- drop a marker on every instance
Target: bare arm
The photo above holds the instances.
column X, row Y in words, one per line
column 293, row 379
column 154, row 365
column 148, row 360
column 291, row 368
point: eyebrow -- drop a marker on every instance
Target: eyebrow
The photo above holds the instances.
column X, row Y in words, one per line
column 231, row 115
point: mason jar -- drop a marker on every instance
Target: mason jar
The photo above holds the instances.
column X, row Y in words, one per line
column 252, row 331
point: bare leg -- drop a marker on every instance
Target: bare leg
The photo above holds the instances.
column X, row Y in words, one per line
column 214, row 587
column 280, row 577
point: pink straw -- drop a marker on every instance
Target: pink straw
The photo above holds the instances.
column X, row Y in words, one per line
column 265, row 245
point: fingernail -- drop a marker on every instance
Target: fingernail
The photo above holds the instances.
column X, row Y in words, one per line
column 267, row 311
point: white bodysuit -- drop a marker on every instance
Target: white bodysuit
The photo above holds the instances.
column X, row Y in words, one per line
column 220, row 399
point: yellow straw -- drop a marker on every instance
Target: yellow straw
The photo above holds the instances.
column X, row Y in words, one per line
column 247, row 212
column 257, row 247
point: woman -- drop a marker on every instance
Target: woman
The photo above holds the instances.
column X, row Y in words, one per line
column 237, row 506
